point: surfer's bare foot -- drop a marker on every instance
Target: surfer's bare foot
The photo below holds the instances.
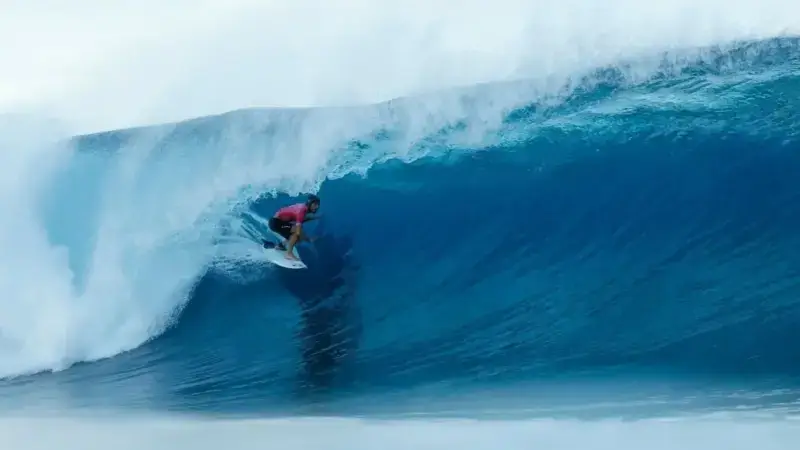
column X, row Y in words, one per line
column 289, row 255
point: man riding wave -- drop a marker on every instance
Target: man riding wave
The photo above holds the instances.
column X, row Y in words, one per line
column 288, row 223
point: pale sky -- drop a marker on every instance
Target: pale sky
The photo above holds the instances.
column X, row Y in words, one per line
column 101, row 64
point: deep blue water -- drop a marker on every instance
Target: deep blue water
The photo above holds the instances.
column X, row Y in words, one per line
column 633, row 240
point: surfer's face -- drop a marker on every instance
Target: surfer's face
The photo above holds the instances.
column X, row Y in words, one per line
column 313, row 207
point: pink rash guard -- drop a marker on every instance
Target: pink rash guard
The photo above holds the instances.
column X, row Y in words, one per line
column 292, row 213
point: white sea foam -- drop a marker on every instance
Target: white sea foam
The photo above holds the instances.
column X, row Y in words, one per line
column 333, row 434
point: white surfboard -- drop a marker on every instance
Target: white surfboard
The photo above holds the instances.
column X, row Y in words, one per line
column 278, row 257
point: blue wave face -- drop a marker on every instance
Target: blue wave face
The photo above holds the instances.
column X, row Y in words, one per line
column 641, row 231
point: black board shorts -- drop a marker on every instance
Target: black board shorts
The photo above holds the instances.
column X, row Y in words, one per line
column 281, row 227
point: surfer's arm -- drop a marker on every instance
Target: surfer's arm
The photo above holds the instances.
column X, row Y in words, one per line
column 309, row 217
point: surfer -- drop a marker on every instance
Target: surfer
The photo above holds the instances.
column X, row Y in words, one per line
column 288, row 222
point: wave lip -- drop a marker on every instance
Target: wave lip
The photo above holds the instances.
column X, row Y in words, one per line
column 422, row 47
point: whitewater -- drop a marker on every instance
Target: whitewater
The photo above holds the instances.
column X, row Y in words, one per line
column 545, row 224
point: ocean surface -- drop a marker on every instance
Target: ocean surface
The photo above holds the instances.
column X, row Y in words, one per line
column 609, row 264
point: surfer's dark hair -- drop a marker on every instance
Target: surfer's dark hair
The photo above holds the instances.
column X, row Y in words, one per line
column 312, row 199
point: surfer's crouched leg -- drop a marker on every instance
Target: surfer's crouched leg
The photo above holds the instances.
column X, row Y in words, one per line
column 293, row 239
column 281, row 228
